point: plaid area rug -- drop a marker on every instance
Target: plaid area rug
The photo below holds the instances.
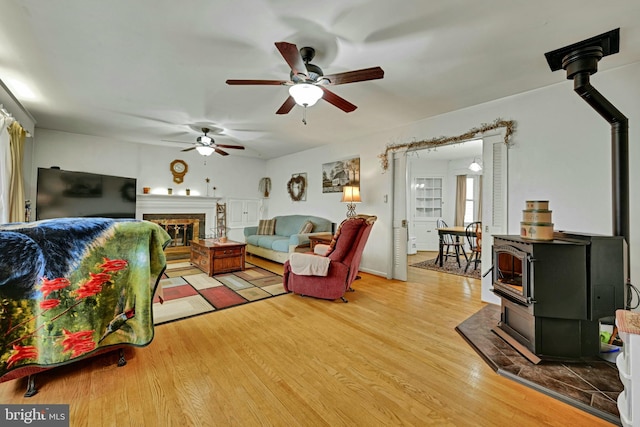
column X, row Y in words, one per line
column 189, row 292
column 450, row 266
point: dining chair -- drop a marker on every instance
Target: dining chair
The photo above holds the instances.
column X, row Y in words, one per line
column 449, row 242
column 473, row 234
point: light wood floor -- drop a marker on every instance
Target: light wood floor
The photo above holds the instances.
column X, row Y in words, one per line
column 390, row 356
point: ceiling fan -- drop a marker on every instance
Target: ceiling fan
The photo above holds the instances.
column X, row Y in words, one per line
column 206, row 145
column 307, row 81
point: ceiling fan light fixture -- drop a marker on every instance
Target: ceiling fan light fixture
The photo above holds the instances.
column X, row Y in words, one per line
column 305, row 94
column 204, row 139
column 205, row 150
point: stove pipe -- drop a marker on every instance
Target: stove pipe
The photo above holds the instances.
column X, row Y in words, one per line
column 580, row 60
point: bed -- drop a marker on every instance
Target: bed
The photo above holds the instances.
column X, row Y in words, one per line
column 72, row 288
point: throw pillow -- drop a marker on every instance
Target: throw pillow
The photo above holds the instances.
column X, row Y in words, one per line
column 307, row 227
column 267, row 227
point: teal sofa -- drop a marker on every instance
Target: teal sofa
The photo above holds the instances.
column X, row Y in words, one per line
column 287, row 238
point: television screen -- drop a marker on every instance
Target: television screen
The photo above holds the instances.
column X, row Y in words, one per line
column 63, row 193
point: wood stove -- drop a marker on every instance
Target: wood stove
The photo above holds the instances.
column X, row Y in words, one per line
column 554, row 293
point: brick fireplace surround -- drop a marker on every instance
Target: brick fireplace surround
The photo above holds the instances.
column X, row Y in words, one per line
column 180, row 208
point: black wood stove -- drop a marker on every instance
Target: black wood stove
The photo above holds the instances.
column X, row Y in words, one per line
column 555, row 292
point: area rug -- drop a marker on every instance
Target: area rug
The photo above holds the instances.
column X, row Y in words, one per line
column 450, row 266
column 188, row 292
column 592, row 385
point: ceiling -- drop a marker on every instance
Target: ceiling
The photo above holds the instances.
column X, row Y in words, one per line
column 154, row 71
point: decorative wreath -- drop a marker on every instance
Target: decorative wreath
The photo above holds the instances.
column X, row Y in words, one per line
column 297, row 187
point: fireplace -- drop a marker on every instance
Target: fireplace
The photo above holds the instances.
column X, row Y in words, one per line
column 179, row 209
column 554, row 293
column 182, row 228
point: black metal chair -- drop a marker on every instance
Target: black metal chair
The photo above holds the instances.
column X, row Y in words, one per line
column 449, row 242
column 473, row 233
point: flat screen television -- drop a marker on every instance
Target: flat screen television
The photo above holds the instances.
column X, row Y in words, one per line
column 63, row 194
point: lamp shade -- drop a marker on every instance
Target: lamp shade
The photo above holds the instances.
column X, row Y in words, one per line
column 305, row 94
column 205, row 150
column 475, row 166
column 350, row 194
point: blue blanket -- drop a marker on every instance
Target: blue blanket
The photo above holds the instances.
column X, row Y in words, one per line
column 71, row 287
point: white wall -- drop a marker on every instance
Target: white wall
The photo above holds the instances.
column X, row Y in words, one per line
column 561, row 153
column 233, row 176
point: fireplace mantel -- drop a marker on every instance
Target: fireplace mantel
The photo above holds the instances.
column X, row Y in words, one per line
column 144, row 201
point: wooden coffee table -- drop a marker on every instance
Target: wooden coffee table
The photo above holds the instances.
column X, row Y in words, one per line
column 213, row 257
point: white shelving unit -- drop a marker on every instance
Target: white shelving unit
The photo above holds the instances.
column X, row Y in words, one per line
column 426, row 209
column 428, row 198
column 628, row 363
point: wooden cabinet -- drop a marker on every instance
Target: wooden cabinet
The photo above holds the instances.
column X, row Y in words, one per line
column 426, row 235
column 213, row 257
column 243, row 212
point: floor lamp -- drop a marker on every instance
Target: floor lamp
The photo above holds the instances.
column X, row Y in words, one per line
column 351, row 196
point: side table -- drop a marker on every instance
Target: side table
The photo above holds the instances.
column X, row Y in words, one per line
column 320, row 238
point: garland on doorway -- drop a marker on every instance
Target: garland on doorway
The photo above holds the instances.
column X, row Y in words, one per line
column 509, row 126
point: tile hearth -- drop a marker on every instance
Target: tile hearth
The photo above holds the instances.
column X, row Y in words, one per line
column 591, row 385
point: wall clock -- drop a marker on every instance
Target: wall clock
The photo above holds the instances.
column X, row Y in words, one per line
column 179, row 168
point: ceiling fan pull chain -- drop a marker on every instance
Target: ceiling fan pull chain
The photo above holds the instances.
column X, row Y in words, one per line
column 304, row 115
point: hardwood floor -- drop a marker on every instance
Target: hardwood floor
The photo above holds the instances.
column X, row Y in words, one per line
column 390, row 356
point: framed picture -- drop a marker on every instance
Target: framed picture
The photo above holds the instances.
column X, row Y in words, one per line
column 335, row 175
column 297, row 187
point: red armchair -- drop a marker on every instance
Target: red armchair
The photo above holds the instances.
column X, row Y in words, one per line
column 343, row 260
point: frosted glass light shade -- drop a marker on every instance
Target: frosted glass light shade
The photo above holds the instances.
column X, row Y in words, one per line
column 305, row 94
column 475, row 166
column 204, row 150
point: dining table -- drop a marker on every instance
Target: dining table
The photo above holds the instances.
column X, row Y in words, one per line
column 455, row 231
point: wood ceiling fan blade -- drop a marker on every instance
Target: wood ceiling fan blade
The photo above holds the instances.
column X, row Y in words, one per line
column 189, row 149
column 237, row 147
column 353, row 76
column 338, row 101
column 289, row 103
column 291, row 54
column 258, row 82
column 222, row 153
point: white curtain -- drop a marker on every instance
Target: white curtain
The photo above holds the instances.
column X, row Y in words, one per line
column 461, row 198
column 5, row 168
column 17, row 136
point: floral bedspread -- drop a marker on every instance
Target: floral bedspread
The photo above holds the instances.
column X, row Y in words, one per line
column 71, row 287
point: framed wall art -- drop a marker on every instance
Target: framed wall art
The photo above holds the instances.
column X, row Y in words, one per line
column 335, row 175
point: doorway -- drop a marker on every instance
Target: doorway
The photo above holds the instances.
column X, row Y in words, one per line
column 493, row 204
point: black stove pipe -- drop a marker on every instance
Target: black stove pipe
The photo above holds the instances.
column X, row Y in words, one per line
column 580, row 60
column 619, row 151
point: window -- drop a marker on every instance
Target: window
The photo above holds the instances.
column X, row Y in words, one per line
column 470, row 201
